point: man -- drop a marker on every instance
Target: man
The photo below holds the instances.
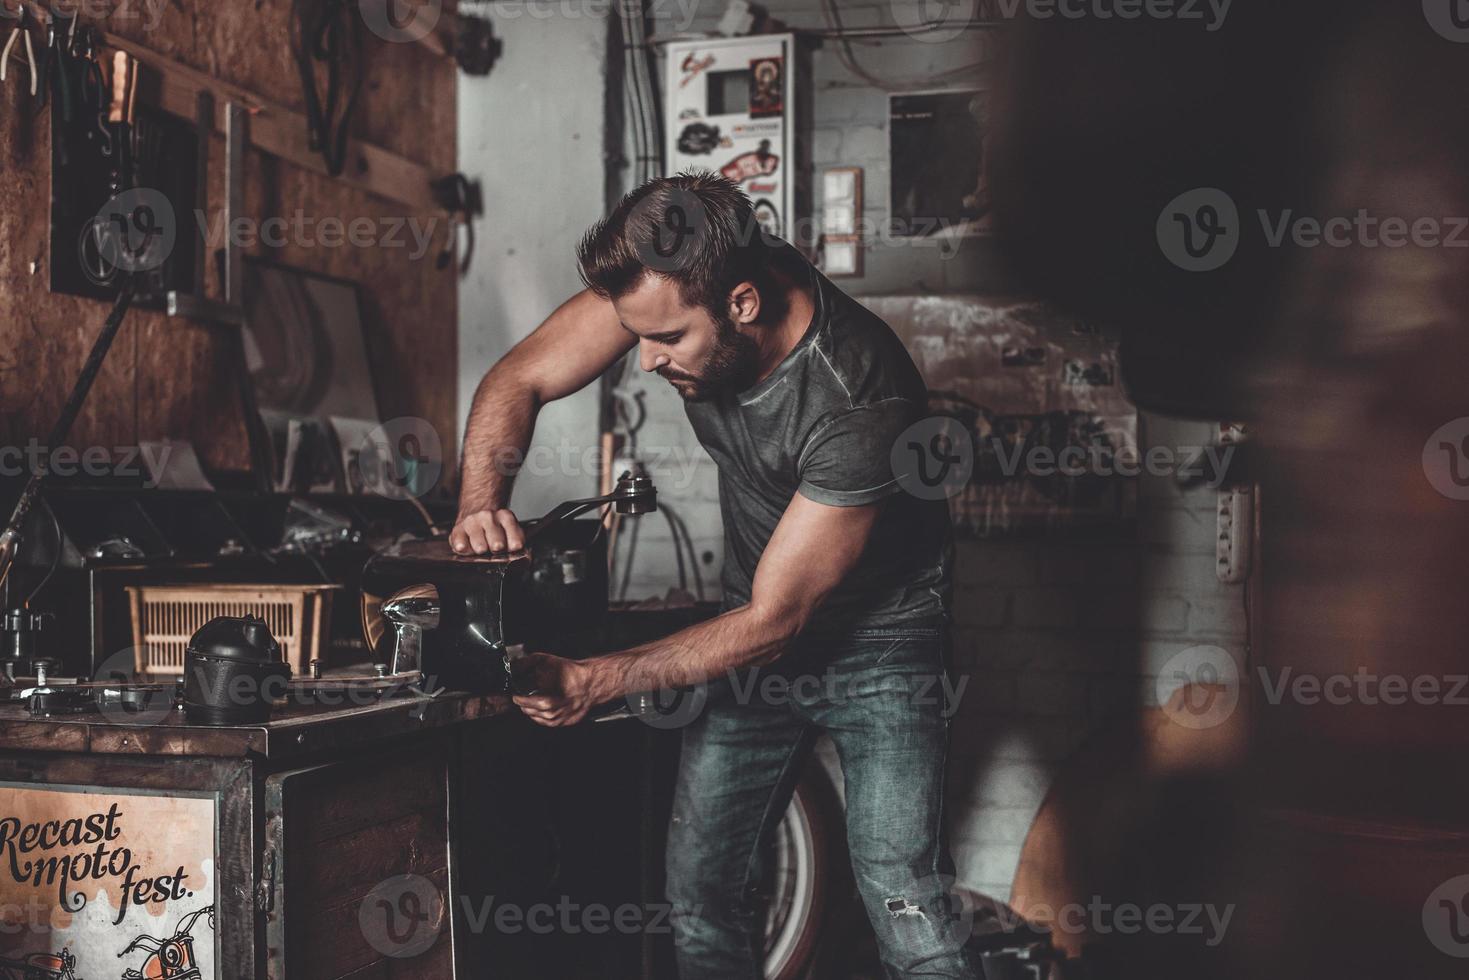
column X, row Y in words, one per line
column 835, row 582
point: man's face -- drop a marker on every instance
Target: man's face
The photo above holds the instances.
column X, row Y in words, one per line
column 697, row 353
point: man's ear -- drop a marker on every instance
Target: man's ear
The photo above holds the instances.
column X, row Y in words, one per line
column 744, row 303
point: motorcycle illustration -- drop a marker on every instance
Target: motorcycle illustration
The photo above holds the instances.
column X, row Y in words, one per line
column 171, row 958
column 39, row 966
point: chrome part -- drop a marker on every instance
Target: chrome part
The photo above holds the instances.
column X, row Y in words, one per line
column 412, row 611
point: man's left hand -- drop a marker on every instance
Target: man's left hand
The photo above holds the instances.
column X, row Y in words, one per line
column 563, row 689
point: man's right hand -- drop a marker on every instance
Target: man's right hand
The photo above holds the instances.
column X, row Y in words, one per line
column 485, row 532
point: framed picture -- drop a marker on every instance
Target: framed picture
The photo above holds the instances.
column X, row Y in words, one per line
column 940, row 183
column 307, row 359
column 767, row 87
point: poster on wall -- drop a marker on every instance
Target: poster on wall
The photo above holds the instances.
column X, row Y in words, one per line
column 107, row 884
column 767, row 86
column 939, row 148
column 729, row 103
column 1053, row 435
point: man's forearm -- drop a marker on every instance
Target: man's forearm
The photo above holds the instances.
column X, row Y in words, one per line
column 738, row 638
column 495, row 440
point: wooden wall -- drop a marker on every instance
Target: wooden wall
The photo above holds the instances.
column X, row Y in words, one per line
column 171, row 378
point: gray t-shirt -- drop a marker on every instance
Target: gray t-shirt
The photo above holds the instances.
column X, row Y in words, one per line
column 823, row 424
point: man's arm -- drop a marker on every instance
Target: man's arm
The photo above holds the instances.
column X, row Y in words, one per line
column 574, row 345
column 813, row 548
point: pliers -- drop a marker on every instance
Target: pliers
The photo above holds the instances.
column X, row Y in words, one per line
column 15, row 35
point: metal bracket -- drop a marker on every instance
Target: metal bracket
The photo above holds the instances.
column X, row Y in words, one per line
column 231, row 312
column 194, row 305
column 265, row 887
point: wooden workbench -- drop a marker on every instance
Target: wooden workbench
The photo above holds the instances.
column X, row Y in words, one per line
column 295, row 833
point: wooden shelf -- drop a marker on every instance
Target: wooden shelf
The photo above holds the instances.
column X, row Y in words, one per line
column 277, row 130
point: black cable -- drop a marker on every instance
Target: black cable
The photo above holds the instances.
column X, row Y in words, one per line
column 683, row 578
column 55, row 559
column 642, row 135
column 638, row 69
column 632, row 550
column 329, row 32
column 320, row 568
column 10, row 536
column 688, row 539
column 634, row 95
column 849, row 59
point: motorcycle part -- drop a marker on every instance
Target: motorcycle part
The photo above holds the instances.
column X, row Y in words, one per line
column 411, row 611
column 231, row 666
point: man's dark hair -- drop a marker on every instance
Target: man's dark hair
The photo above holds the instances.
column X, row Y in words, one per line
column 696, row 228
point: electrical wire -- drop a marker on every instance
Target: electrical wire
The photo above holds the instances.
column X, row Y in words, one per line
column 55, row 558
column 623, row 422
column 637, row 71
column 860, row 34
column 680, row 528
column 849, row 59
column 433, row 528
column 602, row 523
column 641, row 96
column 632, row 550
column 632, row 91
column 653, row 165
column 683, row 578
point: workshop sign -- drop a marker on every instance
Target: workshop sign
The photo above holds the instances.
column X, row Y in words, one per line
column 105, row 885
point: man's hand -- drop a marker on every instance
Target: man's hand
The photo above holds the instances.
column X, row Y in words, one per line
column 486, row 532
column 573, row 347
column 813, row 548
column 564, row 689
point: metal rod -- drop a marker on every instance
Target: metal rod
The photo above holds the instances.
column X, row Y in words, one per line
column 10, row 539
column 237, row 137
column 203, row 132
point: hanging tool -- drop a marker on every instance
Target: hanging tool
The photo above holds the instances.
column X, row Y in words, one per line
column 475, row 46
column 59, row 63
column 41, row 76
column 121, row 111
column 92, row 92
column 15, row 35
column 329, row 32
column 463, row 199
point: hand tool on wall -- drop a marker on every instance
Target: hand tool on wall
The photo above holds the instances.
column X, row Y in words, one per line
column 329, row 33
column 89, row 89
column 463, row 199
column 59, row 67
column 18, row 34
column 121, row 114
column 45, row 64
column 475, row 46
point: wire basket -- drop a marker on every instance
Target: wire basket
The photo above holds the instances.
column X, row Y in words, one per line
column 165, row 617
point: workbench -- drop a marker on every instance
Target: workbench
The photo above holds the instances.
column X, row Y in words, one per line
column 317, row 844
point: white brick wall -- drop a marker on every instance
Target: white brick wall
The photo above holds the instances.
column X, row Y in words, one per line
column 1062, row 637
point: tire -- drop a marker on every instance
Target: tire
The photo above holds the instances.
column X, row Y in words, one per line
column 802, row 863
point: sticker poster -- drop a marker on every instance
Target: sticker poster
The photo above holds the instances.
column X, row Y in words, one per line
column 105, row 885
column 1029, row 381
column 728, row 106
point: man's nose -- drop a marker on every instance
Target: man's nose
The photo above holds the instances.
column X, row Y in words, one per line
column 649, row 358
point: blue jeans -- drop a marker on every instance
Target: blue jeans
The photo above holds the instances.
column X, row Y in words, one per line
column 879, row 694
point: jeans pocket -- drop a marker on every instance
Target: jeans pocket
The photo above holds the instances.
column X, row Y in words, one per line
column 888, row 649
column 897, row 633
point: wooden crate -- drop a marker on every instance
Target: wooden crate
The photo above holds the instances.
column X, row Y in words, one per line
column 165, row 617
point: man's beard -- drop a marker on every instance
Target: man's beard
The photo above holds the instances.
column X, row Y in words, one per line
column 730, row 366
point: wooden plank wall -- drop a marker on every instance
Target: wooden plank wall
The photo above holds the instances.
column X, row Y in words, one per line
column 171, row 378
